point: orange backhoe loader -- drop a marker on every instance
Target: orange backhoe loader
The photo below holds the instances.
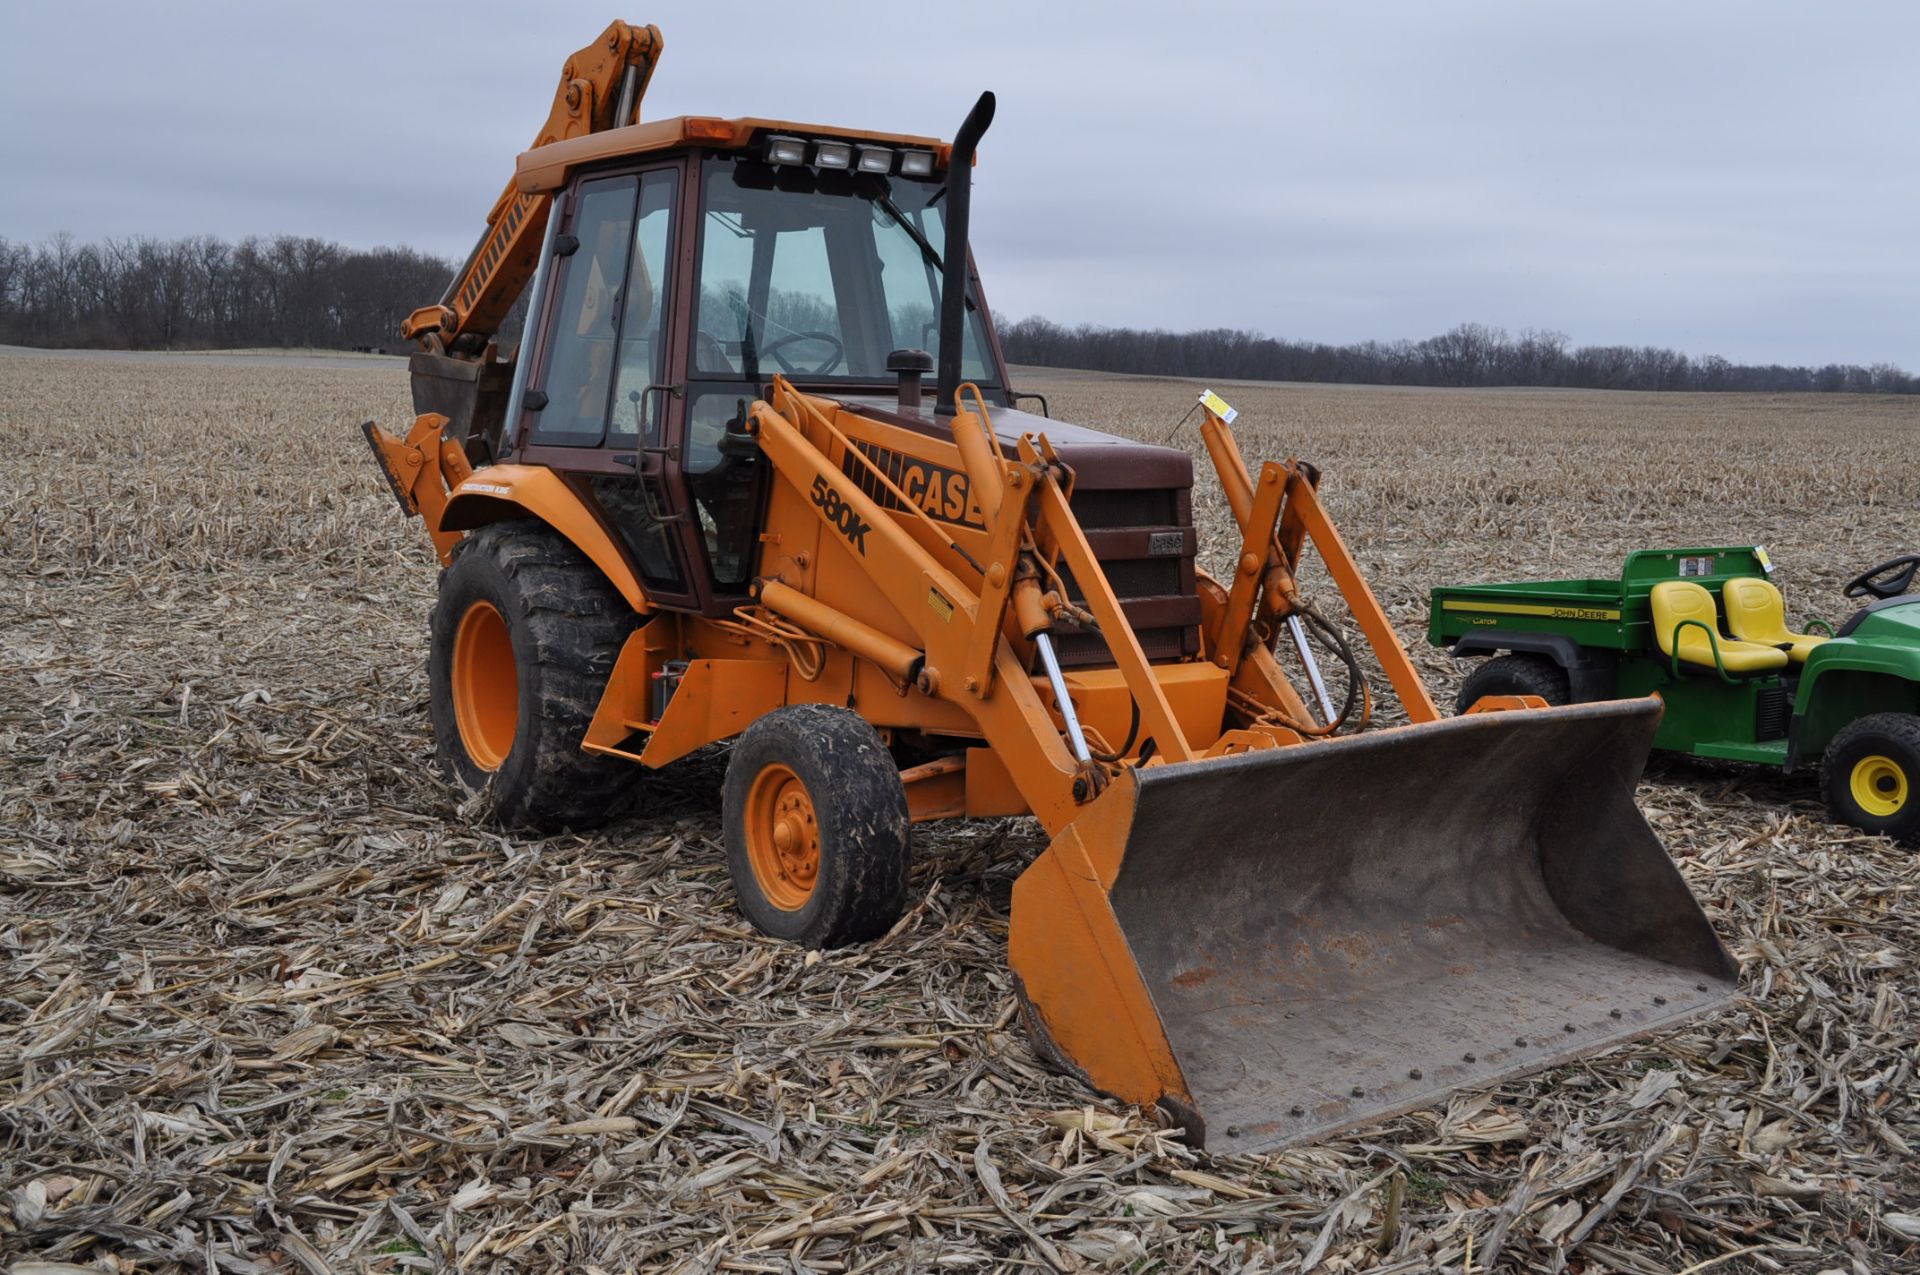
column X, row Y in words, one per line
column 711, row 496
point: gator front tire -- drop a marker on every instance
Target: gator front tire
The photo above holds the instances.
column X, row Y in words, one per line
column 1516, row 675
column 525, row 633
column 1870, row 776
column 816, row 827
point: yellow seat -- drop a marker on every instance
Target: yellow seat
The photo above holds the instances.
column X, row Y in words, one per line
column 1675, row 602
column 1755, row 613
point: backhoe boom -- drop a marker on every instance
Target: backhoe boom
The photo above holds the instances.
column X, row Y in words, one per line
column 600, row 88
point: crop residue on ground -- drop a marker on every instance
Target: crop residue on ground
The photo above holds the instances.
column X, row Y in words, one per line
column 274, row 1002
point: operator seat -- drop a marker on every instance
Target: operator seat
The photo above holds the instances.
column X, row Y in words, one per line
column 1677, row 601
column 1756, row 613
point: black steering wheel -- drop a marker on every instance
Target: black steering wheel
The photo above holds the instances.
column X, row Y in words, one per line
column 1899, row 572
column 772, row 350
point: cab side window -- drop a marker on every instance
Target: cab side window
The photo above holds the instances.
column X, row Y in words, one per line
column 579, row 375
column 643, row 328
column 608, row 337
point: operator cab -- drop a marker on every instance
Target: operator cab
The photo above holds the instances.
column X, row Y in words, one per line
column 678, row 278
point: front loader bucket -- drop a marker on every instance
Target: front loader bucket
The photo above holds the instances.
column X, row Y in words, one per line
column 1279, row 944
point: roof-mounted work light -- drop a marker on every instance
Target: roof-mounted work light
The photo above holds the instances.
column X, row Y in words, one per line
column 786, row 150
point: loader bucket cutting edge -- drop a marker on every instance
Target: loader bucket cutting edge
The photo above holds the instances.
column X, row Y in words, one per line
column 1281, row 944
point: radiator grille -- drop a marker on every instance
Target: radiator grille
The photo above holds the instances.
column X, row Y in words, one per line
column 1156, row 590
column 1135, row 577
column 1101, row 510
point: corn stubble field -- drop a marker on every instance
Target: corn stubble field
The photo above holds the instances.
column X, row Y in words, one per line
column 274, row 1002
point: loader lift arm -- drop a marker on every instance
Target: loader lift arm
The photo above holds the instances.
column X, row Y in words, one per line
column 600, row 87
column 978, row 623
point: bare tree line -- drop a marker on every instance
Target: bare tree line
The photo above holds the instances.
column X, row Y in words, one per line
column 1471, row 354
column 202, row 292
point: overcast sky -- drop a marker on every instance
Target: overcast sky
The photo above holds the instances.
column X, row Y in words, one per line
column 1740, row 178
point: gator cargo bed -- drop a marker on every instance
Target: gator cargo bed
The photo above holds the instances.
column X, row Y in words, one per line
column 1607, row 614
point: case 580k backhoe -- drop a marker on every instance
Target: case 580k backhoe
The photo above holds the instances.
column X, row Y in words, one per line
column 711, row 497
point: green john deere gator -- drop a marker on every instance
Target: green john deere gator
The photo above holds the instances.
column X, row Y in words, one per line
column 1705, row 630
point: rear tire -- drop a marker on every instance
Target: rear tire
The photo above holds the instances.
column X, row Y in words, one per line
column 816, row 826
column 525, row 633
column 1516, row 675
column 1870, row 776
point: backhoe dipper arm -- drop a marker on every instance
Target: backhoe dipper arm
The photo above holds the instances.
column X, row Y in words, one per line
column 600, row 88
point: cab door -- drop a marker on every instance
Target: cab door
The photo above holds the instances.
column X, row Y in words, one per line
column 605, row 396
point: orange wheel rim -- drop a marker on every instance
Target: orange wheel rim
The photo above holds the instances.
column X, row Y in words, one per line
column 783, row 838
column 486, row 686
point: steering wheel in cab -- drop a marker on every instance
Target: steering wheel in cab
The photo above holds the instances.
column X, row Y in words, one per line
column 1888, row 580
column 833, row 360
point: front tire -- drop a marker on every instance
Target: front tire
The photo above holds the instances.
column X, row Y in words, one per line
column 525, row 633
column 1515, row 675
column 816, row 826
column 1870, row 776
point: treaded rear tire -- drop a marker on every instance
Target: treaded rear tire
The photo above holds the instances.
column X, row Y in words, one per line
column 857, row 804
column 1894, row 737
column 567, row 623
column 1516, row 675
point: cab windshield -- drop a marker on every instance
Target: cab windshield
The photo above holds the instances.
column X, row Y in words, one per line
column 819, row 275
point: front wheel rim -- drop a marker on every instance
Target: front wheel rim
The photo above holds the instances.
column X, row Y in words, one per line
column 783, row 838
column 1879, row 786
column 486, row 686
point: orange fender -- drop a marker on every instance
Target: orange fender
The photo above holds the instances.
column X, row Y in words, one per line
column 514, row 491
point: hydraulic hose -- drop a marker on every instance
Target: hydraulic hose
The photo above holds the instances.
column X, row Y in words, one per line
column 1343, row 650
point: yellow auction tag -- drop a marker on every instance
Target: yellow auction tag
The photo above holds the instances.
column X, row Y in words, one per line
column 1218, row 406
column 1766, row 560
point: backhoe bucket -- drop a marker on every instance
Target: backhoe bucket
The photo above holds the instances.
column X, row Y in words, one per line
column 1279, row 944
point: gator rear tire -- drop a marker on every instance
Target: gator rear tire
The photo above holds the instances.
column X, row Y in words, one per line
column 525, row 633
column 1870, row 776
column 1516, row 675
column 816, row 826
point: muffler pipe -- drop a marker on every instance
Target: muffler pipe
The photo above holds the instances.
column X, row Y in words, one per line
column 953, row 277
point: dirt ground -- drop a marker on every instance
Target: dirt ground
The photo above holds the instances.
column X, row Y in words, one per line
column 272, row 1001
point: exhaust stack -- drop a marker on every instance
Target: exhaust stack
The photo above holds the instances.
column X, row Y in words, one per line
column 953, row 281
